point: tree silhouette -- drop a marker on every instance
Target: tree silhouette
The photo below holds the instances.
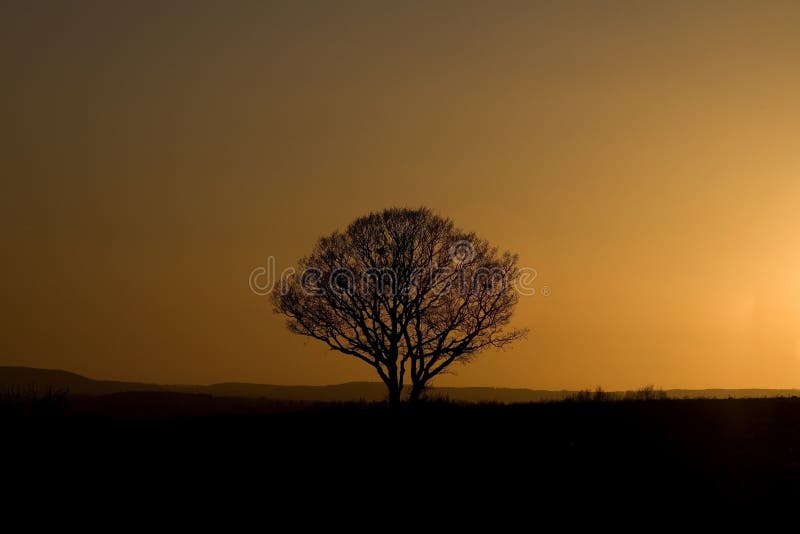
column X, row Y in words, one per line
column 406, row 292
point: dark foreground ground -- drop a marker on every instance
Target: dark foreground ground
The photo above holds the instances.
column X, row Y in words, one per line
column 689, row 451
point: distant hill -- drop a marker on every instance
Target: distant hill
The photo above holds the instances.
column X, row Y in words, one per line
column 27, row 377
column 41, row 379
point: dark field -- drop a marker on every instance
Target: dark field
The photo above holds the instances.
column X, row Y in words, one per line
column 737, row 450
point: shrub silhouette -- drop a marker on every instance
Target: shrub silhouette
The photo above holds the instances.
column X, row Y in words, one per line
column 646, row 393
column 15, row 401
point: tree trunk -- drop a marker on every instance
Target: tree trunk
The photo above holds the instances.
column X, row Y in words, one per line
column 394, row 394
column 416, row 392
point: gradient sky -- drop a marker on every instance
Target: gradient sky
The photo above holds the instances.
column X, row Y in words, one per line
column 644, row 157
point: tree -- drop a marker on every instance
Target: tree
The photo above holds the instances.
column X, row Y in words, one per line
column 406, row 292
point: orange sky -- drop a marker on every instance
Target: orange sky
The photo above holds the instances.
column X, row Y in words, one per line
column 644, row 157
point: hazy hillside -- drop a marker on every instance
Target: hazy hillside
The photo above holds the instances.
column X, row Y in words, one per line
column 41, row 379
column 27, row 377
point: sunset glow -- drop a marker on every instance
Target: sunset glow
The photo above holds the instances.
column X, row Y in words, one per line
column 643, row 159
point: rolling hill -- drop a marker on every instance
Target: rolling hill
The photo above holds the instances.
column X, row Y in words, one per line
column 41, row 379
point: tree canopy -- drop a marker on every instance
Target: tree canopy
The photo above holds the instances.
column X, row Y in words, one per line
column 406, row 292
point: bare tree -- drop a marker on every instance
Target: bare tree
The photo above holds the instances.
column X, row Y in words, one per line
column 405, row 292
